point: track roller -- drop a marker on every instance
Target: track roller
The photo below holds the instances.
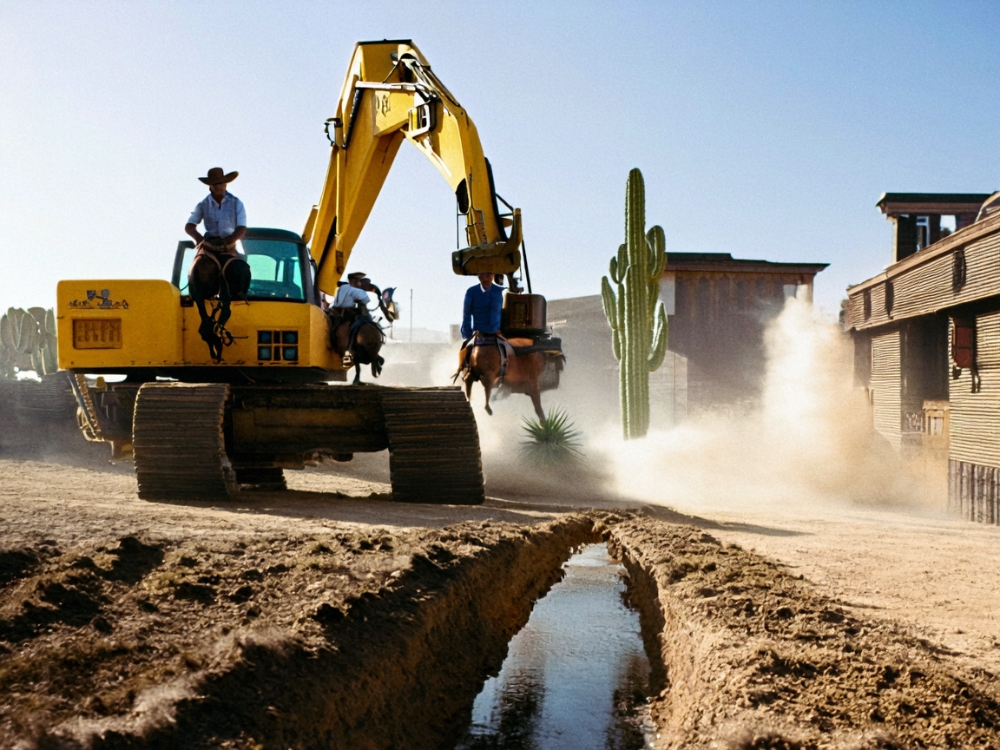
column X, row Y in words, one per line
column 433, row 446
column 262, row 479
column 178, row 443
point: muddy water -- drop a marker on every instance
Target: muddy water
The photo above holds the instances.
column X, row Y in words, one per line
column 576, row 676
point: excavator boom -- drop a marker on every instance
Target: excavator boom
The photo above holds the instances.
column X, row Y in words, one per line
column 391, row 95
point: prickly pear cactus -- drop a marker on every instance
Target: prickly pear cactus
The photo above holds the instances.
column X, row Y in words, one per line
column 638, row 322
column 28, row 342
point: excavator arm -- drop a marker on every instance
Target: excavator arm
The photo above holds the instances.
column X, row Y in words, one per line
column 391, row 95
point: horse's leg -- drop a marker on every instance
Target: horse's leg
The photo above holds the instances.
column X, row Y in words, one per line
column 487, row 386
column 207, row 328
column 489, row 380
column 535, row 368
column 357, row 373
column 226, row 302
column 536, row 400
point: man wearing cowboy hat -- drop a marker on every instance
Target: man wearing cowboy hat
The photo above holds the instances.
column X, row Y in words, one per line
column 223, row 213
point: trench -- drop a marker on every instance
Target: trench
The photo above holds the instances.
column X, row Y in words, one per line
column 577, row 675
column 399, row 667
column 402, row 667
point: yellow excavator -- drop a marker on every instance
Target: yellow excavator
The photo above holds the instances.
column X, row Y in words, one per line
column 198, row 427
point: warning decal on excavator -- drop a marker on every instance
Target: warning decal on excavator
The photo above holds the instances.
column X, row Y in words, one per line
column 103, row 333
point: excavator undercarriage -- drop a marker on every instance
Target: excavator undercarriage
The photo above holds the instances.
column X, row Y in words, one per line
column 204, row 440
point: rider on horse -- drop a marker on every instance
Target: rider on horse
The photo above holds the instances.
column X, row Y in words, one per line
column 352, row 328
column 483, row 303
column 223, row 214
column 218, row 270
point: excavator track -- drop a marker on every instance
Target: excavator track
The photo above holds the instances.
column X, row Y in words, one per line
column 433, row 446
column 179, row 445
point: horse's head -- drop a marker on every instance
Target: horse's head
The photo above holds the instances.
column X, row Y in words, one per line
column 388, row 305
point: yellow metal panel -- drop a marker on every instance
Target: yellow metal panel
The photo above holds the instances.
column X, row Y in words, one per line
column 378, row 94
column 390, row 110
column 247, row 319
column 157, row 331
column 149, row 315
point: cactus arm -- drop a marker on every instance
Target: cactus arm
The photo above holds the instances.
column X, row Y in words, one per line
column 6, row 333
column 659, row 349
column 620, row 316
column 25, row 323
column 610, row 306
column 616, row 344
column 657, row 246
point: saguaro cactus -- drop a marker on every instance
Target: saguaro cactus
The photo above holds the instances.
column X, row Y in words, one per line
column 28, row 342
column 638, row 322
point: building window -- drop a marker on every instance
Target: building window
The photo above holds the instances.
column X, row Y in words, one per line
column 923, row 232
column 866, row 300
column 890, row 297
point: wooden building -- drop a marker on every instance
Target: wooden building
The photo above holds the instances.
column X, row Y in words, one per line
column 718, row 308
column 927, row 343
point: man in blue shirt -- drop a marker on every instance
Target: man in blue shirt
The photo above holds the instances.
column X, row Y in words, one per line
column 483, row 303
column 223, row 213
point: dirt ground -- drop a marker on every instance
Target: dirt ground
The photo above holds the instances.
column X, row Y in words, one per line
column 112, row 607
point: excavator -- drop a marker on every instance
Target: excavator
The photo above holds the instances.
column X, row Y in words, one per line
column 199, row 427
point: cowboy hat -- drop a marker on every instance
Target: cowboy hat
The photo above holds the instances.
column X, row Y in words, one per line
column 355, row 275
column 215, row 176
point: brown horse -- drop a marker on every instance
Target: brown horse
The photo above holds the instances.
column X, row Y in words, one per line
column 481, row 361
column 217, row 274
column 356, row 332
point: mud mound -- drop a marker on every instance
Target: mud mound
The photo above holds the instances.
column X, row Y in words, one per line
column 346, row 638
column 756, row 658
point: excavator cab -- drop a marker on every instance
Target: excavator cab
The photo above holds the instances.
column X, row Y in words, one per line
column 280, row 266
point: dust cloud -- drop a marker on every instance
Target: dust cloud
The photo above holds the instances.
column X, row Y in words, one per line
column 808, row 441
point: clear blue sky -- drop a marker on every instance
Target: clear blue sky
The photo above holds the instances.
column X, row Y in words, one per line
column 764, row 129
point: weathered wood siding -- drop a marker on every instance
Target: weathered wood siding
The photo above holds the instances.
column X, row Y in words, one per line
column 974, row 455
column 920, row 288
column 718, row 326
column 974, row 491
column 886, row 385
column 975, row 417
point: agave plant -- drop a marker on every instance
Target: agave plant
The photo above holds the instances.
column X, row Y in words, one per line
column 553, row 440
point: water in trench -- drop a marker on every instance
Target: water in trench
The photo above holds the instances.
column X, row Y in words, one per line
column 576, row 676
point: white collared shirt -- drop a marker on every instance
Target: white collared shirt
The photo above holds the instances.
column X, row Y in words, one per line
column 348, row 295
column 220, row 220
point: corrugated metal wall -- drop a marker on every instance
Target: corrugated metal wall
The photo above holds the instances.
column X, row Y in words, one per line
column 928, row 287
column 886, row 386
column 975, row 417
column 718, row 325
column 974, row 458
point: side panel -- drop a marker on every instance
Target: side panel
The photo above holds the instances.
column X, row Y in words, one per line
column 975, row 415
column 125, row 323
column 131, row 323
column 886, row 385
column 308, row 347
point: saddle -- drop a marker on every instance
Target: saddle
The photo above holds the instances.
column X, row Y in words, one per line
column 488, row 339
column 219, row 254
